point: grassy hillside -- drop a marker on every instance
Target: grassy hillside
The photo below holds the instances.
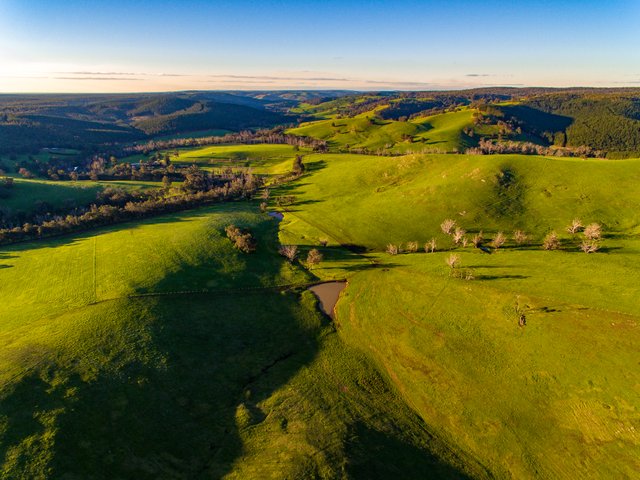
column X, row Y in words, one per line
column 34, row 196
column 371, row 201
column 555, row 398
column 265, row 158
column 111, row 368
column 443, row 132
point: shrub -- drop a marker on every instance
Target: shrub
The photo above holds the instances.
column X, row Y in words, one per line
column 447, row 226
column 551, row 241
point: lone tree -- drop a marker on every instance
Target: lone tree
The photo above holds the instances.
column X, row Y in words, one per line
column 593, row 231
column 298, row 166
column 453, row 261
column 498, row 240
column 290, row 252
column 166, row 182
column 575, row 226
column 314, row 257
column 447, row 226
column 551, row 241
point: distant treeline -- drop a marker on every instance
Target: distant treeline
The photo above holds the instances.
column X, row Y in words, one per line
column 488, row 147
column 272, row 136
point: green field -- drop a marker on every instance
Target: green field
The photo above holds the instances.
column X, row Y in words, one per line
column 154, row 349
column 557, row 398
column 262, row 158
column 443, row 132
column 28, row 196
column 102, row 370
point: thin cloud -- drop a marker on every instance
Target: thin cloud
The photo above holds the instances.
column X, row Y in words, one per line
column 479, row 75
column 98, row 73
column 97, row 78
column 295, row 79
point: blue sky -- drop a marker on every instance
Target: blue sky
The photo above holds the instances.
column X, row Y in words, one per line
column 112, row 46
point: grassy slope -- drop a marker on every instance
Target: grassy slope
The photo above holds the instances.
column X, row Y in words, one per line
column 555, row 399
column 245, row 381
column 372, row 200
column 438, row 132
column 263, row 158
column 27, row 194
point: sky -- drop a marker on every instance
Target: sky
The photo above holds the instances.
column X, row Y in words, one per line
column 160, row 45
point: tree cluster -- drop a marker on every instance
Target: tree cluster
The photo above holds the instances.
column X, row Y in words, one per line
column 242, row 239
column 118, row 206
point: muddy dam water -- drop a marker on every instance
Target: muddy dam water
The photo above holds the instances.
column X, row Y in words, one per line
column 328, row 294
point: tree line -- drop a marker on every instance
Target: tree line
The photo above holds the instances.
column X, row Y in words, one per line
column 116, row 205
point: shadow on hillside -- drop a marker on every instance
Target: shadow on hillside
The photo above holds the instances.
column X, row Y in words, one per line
column 374, row 455
column 170, row 392
column 131, row 225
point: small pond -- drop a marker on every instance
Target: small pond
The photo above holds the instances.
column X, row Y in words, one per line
column 328, row 294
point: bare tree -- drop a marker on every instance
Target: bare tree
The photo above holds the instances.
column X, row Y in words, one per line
column 393, row 249
column 498, row 240
column 551, row 241
column 477, row 239
column 575, row 226
column 412, row 247
column 430, row 246
column 458, row 235
column 453, row 260
column 589, row 246
column 447, row 226
column 314, row 257
column 593, row 231
column 520, row 237
column 290, row 252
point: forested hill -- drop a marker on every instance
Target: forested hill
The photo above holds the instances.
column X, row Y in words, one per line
column 605, row 121
column 602, row 122
column 31, row 122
